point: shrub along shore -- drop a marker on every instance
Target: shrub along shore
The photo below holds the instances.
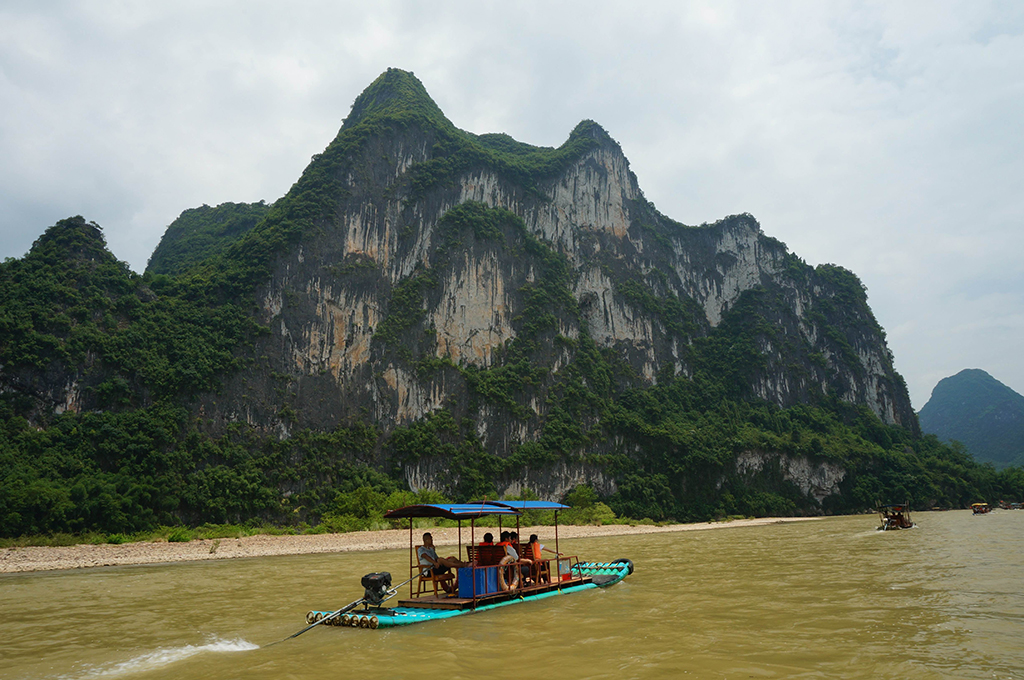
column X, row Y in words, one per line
column 85, row 555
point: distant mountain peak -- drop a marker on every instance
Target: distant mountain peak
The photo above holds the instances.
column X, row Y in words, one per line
column 395, row 93
column 592, row 130
column 72, row 239
column 980, row 412
column 977, row 382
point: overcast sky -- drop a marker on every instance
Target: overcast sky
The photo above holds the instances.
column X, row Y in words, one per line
column 884, row 137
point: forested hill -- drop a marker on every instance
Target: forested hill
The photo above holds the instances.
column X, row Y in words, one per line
column 985, row 415
column 429, row 311
column 201, row 233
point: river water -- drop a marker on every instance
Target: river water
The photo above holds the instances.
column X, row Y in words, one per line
column 823, row 599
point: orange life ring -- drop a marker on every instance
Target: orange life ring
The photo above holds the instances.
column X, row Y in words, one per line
column 502, row 583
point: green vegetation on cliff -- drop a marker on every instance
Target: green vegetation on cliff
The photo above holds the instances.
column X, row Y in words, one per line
column 70, row 312
column 136, row 459
column 398, row 98
column 201, row 233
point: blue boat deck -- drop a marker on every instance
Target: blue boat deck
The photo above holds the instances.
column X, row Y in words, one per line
column 450, row 602
column 380, row 617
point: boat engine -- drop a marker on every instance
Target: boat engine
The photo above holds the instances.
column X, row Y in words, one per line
column 376, row 585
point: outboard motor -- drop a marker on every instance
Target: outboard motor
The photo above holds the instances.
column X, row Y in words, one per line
column 376, row 585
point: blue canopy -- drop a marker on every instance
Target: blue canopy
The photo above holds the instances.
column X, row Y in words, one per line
column 452, row 510
column 529, row 505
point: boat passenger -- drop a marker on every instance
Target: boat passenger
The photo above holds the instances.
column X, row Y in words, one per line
column 534, row 551
column 512, row 550
column 514, row 541
column 535, row 548
column 435, row 565
column 488, row 539
column 506, row 542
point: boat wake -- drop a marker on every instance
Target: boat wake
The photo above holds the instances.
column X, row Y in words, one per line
column 161, row 658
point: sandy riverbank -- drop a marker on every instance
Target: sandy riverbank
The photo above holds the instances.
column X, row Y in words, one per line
column 38, row 558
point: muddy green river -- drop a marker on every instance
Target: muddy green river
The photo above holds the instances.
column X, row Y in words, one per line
column 824, row 599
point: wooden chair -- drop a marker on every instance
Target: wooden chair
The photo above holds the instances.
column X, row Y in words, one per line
column 427, row 576
column 542, row 571
column 433, row 580
column 537, row 568
column 488, row 555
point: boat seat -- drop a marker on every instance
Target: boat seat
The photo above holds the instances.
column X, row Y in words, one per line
column 432, row 580
column 428, row 577
column 488, row 555
column 542, row 571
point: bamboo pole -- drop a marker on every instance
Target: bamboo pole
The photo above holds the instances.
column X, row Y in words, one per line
column 558, row 554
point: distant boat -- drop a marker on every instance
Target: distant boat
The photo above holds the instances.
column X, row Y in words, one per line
column 980, row 508
column 895, row 517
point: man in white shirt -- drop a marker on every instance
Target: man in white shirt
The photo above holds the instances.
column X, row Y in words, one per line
column 437, row 566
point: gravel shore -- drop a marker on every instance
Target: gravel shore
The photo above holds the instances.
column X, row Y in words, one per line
column 38, row 558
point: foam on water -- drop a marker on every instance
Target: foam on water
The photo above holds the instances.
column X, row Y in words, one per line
column 165, row 657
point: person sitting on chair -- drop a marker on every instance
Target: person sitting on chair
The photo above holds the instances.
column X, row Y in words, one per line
column 534, row 548
column 506, row 543
column 524, row 561
column 488, row 539
column 437, row 566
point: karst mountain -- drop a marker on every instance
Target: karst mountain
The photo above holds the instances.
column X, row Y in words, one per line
column 432, row 310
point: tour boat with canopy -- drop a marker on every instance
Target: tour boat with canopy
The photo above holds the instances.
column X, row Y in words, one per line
column 895, row 517
column 492, row 577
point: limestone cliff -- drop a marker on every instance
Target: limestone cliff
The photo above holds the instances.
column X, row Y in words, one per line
column 452, row 295
column 453, row 312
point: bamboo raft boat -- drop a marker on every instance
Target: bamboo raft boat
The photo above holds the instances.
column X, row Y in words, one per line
column 895, row 517
column 491, row 578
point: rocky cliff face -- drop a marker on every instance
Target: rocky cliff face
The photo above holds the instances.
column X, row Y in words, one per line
column 464, row 313
column 416, row 269
column 817, row 479
column 641, row 286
